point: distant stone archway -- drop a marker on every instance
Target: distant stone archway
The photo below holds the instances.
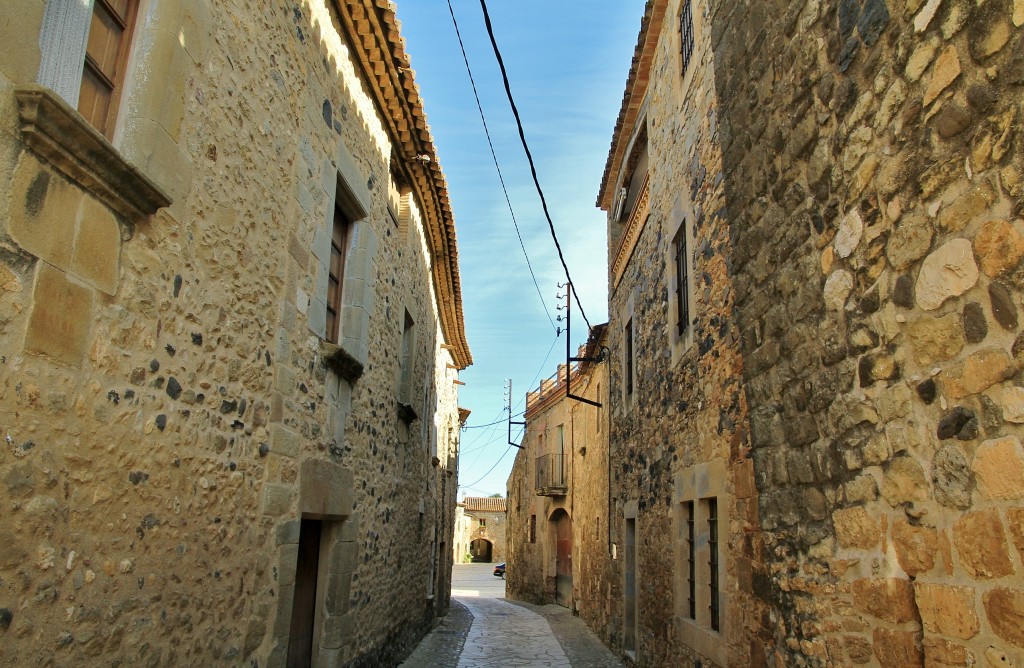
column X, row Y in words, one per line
column 481, row 550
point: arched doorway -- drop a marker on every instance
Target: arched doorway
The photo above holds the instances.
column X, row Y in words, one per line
column 481, row 550
column 562, row 533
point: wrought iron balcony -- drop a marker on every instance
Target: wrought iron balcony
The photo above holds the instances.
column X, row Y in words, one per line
column 551, row 475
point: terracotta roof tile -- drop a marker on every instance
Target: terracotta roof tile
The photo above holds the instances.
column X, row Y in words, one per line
column 483, row 504
column 378, row 47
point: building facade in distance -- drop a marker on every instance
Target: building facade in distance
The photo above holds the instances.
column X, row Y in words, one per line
column 558, row 544
column 481, row 529
column 230, row 330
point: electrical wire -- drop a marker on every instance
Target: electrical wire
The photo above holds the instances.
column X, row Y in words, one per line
column 529, row 156
column 466, row 449
column 501, row 178
column 490, row 469
column 481, row 426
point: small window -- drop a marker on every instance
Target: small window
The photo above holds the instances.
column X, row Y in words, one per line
column 405, row 383
column 682, row 281
column 686, row 34
column 628, row 366
column 712, row 506
column 336, row 274
column 106, row 59
column 691, row 559
column 483, row 523
column 533, row 528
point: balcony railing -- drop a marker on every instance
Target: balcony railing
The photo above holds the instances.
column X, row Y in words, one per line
column 551, row 475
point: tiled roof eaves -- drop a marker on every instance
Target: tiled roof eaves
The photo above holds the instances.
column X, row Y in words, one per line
column 376, row 42
column 632, row 98
column 481, row 504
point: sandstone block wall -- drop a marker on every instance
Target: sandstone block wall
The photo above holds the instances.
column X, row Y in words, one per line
column 873, row 183
column 167, row 413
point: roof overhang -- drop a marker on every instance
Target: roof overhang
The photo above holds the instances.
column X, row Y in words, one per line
column 632, row 100
column 373, row 35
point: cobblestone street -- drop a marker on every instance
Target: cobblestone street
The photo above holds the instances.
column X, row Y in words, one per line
column 484, row 630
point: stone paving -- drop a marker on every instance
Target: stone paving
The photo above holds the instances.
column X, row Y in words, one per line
column 484, row 631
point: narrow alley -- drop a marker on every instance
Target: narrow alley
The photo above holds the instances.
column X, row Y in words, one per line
column 483, row 629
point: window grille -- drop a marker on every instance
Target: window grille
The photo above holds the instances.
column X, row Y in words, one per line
column 682, row 282
column 686, row 33
column 691, row 559
column 533, row 528
column 629, row 357
column 713, row 560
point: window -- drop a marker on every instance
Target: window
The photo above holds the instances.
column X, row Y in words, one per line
column 700, row 515
column 483, row 523
column 699, row 543
column 106, row 59
column 336, row 274
column 406, row 359
column 691, row 560
column 712, row 508
column 686, row 33
column 682, row 297
column 628, row 370
column 533, row 528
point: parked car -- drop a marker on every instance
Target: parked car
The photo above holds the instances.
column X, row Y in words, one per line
column 499, row 571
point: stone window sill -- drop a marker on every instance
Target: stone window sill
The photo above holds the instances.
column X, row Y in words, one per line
column 338, row 360
column 406, row 413
column 62, row 137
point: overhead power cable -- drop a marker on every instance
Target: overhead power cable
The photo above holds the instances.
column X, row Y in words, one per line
column 529, row 155
column 490, row 469
column 481, row 426
column 501, row 178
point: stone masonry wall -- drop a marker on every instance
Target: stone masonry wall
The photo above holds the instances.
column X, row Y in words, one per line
column 874, row 174
column 687, row 420
column 166, row 411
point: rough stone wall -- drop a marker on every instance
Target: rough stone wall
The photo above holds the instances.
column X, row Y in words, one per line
column 167, row 412
column 688, row 414
column 494, row 530
column 532, row 566
column 873, row 164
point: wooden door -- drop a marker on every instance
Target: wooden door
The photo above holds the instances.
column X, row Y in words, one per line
column 300, row 640
column 563, row 566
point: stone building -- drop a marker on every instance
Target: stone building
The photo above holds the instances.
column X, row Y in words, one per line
column 480, row 531
column 682, row 495
column 815, row 244
column 230, row 330
column 559, row 551
column 873, row 166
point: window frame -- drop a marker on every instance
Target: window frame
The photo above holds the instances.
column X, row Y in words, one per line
column 682, row 280
column 701, row 601
column 629, row 360
column 679, row 280
column 686, row 35
column 341, row 239
column 115, row 80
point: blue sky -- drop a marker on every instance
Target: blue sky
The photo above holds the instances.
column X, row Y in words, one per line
column 567, row 62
